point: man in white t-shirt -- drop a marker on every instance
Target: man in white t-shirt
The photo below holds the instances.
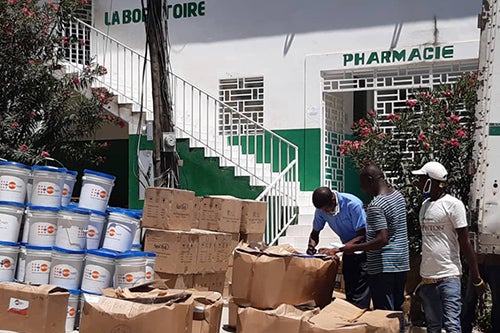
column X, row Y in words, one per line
column 445, row 234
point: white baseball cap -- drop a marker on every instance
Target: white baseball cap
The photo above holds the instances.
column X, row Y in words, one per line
column 434, row 170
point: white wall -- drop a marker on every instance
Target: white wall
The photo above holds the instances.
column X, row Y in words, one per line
column 274, row 38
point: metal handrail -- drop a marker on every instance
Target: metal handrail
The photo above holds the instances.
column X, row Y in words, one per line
column 270, row 160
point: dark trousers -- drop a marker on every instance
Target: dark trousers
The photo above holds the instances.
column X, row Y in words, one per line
column 357, row 290
column 491, row 276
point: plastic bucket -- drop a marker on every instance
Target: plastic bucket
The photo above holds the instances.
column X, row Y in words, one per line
column 98, row 271
column 42, row 222
column 69, row 184
column 9, row 252
column 11, row 215
column 48, row 183
column 95, row 230
column 130, row 269
column 21, row 263
column 13, row 181
column 38, row 261
column 96, row 189
column 67, row 267
column 136, row 247
column 73, row 304
column 150, row 266
column 120, row 230
column 72, row 226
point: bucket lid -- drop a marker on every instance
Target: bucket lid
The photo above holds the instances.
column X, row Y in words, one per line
column 96, row 212
column 60, row 249
column 75, row 291
column 9, row 244
column 76, row 210
column 130, row 254
column 48, row 168
column 100, row 174
column 41, row 248
column 52, row 209
column 12, row 203
column 122, row 211
column 103, row 253
column 150, row 254
column 15, row 164
column 71, row 172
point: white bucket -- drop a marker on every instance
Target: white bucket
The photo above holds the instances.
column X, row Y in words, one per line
column 130, row 269
column 150, row 266
column 72, row 226
column 13, row 181
column 38, row 260
column 120, row 230
column 8, row 260
column 95, row 230
column 69, row 184
column 96, row 189
column 66, row 269
column 11, row 215
column 98, row 271
column 48, row 183
column 42, row 222
column 136, row 247
column 73, row 304
column 21, row 263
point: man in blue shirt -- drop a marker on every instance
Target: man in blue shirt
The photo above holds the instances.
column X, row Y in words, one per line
column 345, row 215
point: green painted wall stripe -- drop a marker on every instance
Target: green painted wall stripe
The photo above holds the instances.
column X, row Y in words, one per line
column 494, row 129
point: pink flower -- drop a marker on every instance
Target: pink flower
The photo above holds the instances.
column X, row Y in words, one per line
column 381, row 135
column 356, row 144
column 83, row 42
column 447, row 93
column 15, row 124
column 454, row 118
column 435, row 100
column 371, row 113
column 111, row 118
column 101, row 158
column 45, row 154
column 442, row 126
column 105, row 144
column 393, row 117
column 454, row 142
column 64, row 40
column 365, row 131
column 84, row 2
column 426, row 144
column 11, row 2
column 425, row 95
column 121, row 123
column 421, row 137
column 460, row 133
column 76, row 80
column 23, row 147
column 32, row 114
column 411, row 103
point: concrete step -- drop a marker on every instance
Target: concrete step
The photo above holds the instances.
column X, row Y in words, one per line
column 305, row 230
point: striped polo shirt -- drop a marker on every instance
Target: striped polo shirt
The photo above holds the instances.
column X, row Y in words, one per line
column 388, row 211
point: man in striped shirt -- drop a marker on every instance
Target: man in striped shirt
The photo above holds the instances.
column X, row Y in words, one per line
column 386, row 241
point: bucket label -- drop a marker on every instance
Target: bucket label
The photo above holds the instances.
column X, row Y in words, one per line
column 97, row 274
column 65, row 272
column 7, row 268
column 71, row 311
column 47, row 189
column 129, row 279
column 93, row 233
column 12, row 184
column 18, row 306
column 9, row 228
column 39, row 267
column 45, row 229
column 149, row 274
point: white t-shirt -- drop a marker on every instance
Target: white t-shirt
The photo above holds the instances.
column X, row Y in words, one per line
column 440, row 246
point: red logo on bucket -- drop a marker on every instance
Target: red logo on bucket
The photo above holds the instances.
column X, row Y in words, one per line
column 71, row 312
column 5, row 264
column 44, row 267
column 129, row 278
column 91, row 233
column 111, row 232
column 50, row 190
column 148, row 275
column 102, row 194
column 65, row 191
column 66, row 272
column 12, row 185
column 95, row 274
column 50, row 229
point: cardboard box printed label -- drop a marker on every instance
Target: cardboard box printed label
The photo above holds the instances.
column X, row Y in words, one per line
column 37, row 309
column 220, row 213
column 265, row 280
column 168, row 209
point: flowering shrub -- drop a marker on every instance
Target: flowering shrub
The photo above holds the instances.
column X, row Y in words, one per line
column 44, row 111
column 436, row 125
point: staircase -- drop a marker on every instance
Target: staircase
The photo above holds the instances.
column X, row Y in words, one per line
column 297, row 235
column 269, row 160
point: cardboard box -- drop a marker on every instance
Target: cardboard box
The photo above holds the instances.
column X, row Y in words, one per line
column 176, row 251
column 338, row 317
column 232, row 313
column 210, row 281
column 253, row 216
column 168, row 209
column 266, row 279
column 220, row 213
column 37, row 309
column 252, row 238
column 176, row 281
column 172, row 312
column 195, row 224
column 207, row 312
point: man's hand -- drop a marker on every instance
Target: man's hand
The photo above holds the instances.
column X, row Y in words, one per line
column 311, row 250
column 313, row 241
column 328, row 252
column 480, row 287
column 347, row 249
